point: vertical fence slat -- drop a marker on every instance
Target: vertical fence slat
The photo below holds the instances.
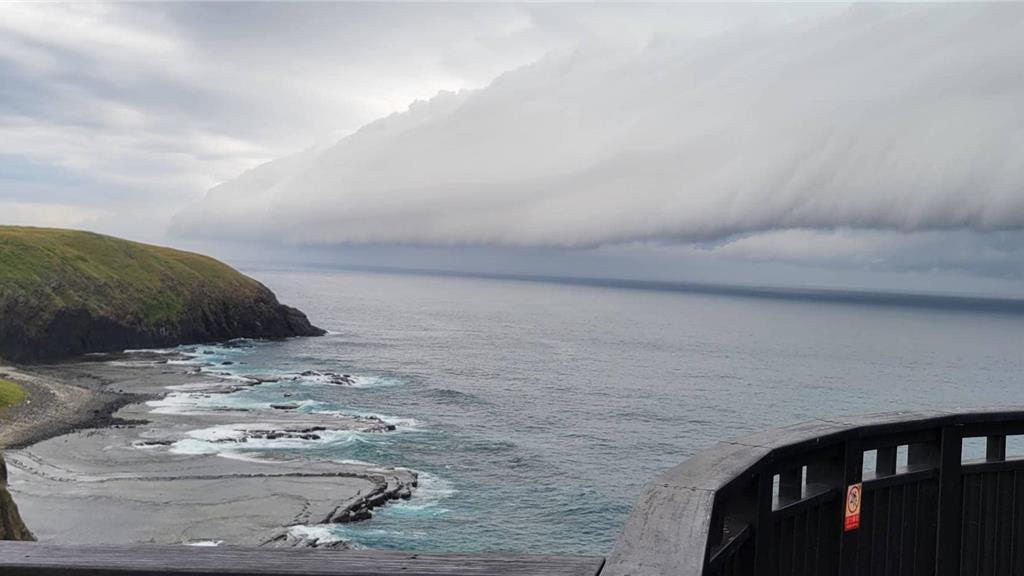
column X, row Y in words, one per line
column 885, row 463
column 909, row 532
column 895, row 531
column 879, row 533
column 1004, row 508
column 949, row 507
column 989, row 532
column 995, row 448
column 971, row 494
column 853, row 464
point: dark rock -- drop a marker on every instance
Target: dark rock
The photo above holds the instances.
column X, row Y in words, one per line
column 11, row 525
column 148, row 443
column 263, row 378
column 331, row 377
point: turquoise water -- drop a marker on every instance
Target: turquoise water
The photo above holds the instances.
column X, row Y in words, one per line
column 536, row 411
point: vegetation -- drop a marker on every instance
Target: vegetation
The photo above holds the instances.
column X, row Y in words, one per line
column 11, row 394
column 65, row 292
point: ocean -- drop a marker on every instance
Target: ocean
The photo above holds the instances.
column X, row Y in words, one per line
column 536, row 410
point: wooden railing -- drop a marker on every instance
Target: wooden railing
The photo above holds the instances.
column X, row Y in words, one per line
column 775, row 503
column 888, row 494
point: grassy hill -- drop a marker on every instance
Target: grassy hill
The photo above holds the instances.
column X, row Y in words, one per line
column 65, row 292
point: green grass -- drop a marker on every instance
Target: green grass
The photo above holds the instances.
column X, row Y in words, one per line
column 11, row 394
column 43, row 271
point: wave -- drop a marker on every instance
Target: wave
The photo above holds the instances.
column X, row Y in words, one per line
column 253, row 437
column 203, row 543
column 426, row 500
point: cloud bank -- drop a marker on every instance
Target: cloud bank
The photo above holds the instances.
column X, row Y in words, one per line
column 136, row 109
column 891, row 118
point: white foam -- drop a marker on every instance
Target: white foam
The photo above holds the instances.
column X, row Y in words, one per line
column 355, row 380
column 186, row 404
column 375, row 382
column 430, row 491
column 317, row 407
column 237, row 438
column 253, row 458
column 203, row 543
column 319, row 533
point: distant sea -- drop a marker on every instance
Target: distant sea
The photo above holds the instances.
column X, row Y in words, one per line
column 536, row 410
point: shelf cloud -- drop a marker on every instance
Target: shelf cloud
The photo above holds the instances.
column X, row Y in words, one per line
column 892, row 118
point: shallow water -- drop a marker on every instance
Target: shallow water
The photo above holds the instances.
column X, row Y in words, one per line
column 536, row 411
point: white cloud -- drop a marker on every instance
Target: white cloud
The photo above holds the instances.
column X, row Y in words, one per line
column 902, row 118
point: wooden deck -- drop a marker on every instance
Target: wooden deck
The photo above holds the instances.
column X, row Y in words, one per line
column 35, row 559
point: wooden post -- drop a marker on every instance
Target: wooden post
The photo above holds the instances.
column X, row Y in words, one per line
column 764, row 547
column 885, row 465
column 853, row 472
column 791, row 484
column 995, row 448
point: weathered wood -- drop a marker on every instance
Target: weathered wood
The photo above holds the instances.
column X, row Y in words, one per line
column 34, row 559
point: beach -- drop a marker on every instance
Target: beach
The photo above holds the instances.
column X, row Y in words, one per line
column 94, row 457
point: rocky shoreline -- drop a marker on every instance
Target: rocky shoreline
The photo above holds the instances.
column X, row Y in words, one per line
column 54, row 408
column 87, row 448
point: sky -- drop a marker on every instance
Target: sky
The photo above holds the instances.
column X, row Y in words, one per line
column 868, row 146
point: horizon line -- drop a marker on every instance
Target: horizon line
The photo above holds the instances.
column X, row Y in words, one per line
column 906, row 299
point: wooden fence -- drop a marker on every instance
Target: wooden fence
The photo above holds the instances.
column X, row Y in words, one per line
column 776, row 503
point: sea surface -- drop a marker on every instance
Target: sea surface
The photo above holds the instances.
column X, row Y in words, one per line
column 535, row 411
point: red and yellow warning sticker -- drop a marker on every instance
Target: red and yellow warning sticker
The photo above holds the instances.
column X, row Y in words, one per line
column 851, row 520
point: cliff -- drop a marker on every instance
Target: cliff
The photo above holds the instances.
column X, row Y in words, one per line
column 65, row 292
column 11, row 526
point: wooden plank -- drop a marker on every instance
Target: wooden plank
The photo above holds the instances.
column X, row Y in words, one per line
column 1017, row 561
column 950, row 502
column 989, row 522
column 885, row 461
column 908, row 538
column 766, row 540
column 894, row 526
column 995, row 447
column 927, row 527
column 971, row 524
column 34, row 559
column 1004, row 507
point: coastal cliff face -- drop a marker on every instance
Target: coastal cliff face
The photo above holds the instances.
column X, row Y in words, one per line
column 66, row 292
column 11, row 526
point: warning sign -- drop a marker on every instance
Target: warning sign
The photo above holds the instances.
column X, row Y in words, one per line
column 851, row 520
